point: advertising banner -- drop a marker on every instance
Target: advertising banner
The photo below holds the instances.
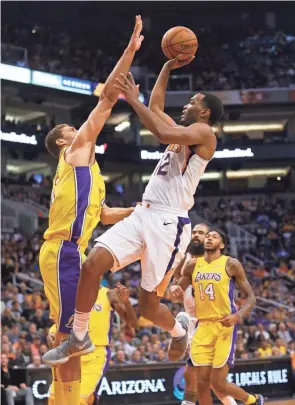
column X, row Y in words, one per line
column 163, row 384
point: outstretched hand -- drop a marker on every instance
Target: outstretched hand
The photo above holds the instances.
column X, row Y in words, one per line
column 122, row 292
column 230, row 320
column 178, row 62
column 136, row 37
column 128, row 87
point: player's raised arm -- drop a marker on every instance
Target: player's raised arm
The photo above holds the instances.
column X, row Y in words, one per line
column 176, row 292
column 119, row 300
column 235, row 270
column 195, row 134
column 89, row 131
column 157, row 99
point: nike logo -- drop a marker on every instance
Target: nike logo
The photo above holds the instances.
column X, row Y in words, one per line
column 167, row 223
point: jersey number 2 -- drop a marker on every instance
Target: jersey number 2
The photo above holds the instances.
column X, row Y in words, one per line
column 209, row 290
column 164, row 162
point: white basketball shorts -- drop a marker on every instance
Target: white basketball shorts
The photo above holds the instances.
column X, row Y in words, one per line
column 155, row 234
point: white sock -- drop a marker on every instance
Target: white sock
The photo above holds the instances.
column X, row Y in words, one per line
column 81, row 322
column 187, row 403
column 178, row 330
column 228, row 401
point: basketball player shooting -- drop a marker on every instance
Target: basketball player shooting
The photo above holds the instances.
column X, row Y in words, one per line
column 164, row 211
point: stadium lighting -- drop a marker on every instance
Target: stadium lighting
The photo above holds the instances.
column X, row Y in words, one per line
column 242, row 127
column 239, row 174
column 272, row 126
column 220, row 154
column 121, row 127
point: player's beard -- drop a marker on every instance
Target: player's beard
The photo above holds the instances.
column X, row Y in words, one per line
column 196, row 249
column 210, row 250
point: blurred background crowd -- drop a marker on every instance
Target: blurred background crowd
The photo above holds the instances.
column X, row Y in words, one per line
column 256, row 56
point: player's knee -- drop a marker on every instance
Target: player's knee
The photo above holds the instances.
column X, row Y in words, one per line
column 98, row 262
column 148, row 305
column 70, row 371
column 218, row 386
column 190, row 379
column 88, row 266
column 203, row 384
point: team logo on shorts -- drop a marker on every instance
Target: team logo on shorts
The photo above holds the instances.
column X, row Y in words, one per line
column 179, row 384
column 70, row 322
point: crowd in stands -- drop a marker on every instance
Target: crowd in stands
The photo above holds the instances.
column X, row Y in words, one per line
column 268, row 331
column 271, row 220
column 248, row 58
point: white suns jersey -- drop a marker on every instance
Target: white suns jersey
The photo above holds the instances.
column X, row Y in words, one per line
column 176, row 178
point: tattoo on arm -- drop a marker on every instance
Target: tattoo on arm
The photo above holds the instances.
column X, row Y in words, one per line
column 235, row 270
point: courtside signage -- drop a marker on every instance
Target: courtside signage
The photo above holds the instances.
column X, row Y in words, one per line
column 220, row 154
column 31, row 140
column 18, row 138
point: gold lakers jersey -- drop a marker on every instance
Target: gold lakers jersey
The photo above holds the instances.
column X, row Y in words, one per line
column 77, row 197
column 213, row 288
column 101, row 319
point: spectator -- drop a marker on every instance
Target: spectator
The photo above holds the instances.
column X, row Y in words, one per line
column 283, row 333
column 43, row 349
column 32, row 332
column 13, row 392
column 281, row 345
column 38, row 319
column 137, row 358
column 14, row 333
column 128, row 349
column 273, row 332
column 276, row 352
column 161, row 356
column 37, row 363
column 261, row 332
column 264, row 349
column 19, row 360
column 120, row 358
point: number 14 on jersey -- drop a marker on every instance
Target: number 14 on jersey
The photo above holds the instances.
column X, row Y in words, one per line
column 209, row 290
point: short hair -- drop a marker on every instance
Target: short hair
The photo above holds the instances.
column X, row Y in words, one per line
column 203, row 224
column 215, row 106
column 52, row 137
column 220, row 233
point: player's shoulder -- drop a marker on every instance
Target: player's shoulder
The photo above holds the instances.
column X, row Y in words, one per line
column 233, row 266
column 232, row 261
column 204, row 128
column 206, row 148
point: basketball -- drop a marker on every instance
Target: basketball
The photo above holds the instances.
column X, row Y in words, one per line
column 179, row 40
